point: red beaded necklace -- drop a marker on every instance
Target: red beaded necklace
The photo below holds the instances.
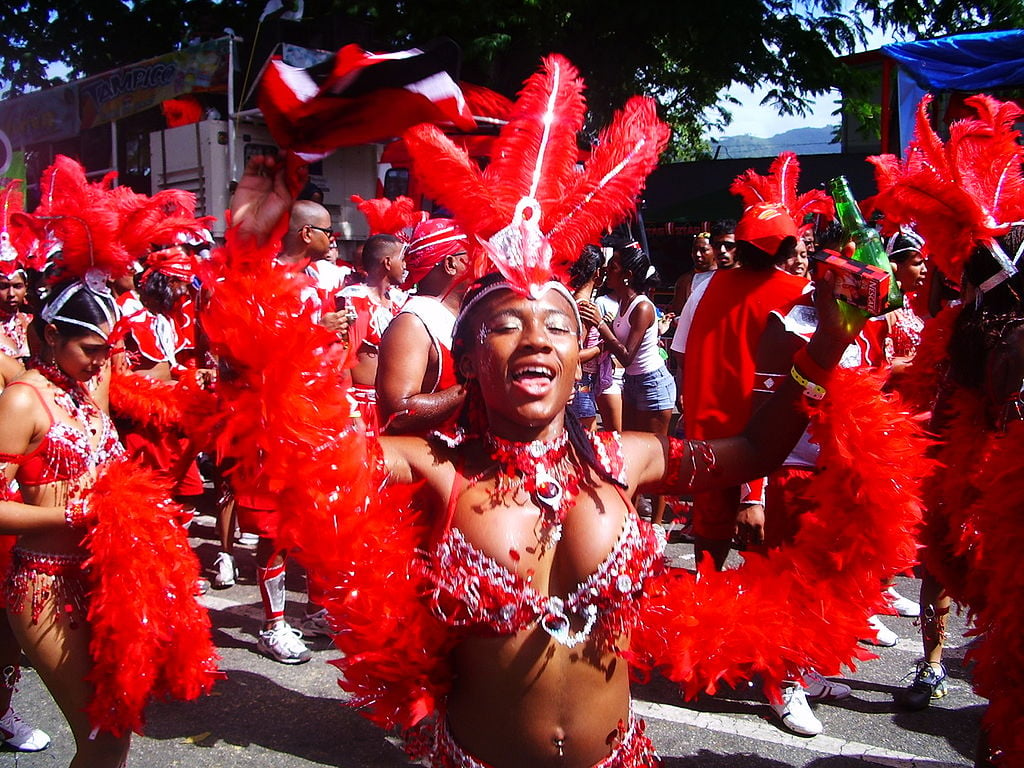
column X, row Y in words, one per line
column 71, row 395
column 546, row 471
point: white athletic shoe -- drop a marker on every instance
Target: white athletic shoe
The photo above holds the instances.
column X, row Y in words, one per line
column 795, row 713
column 225, row 571
column 19, row 735
column 883, row 636
column 903, row 606
column 283, row 643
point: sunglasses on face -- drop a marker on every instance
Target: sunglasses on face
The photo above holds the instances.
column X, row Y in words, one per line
column 326, row 230
column 729, row 245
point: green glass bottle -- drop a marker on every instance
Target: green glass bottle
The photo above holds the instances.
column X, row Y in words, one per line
column 869, row 247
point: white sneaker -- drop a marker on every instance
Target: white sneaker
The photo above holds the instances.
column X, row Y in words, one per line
column 316, row 625
column 818, row 688
column 225, row 571
column 903, row 606
column 19, row 735
column 248, row 539
column 883, row 636
column 283, row 643
column 795, row 713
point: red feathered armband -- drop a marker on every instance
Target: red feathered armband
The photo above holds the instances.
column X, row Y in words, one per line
column 803, row 606
column 150, row 638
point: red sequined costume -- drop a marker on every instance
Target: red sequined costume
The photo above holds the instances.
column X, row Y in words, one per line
column 64, row 455
column 474, row 594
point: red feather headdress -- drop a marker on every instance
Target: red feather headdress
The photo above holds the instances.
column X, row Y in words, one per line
column 81, row 222
column 533, row 208
column 390, row 217
column 968, row 190
column 18, row 237
column 780, row 187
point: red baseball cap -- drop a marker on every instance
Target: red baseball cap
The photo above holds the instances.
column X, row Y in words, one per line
column 765, row 226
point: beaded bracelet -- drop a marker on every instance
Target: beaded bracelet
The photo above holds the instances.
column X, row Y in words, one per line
column 811, row 390
column 75, row 515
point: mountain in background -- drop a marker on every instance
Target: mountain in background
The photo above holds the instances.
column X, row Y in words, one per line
column 803, row 141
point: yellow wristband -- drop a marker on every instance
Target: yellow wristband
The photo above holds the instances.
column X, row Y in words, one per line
column 811, row 390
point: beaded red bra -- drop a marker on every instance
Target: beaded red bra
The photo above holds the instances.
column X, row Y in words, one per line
column 65, row 452
column 470, row 589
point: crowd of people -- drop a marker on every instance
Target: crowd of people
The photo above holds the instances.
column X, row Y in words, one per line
column 479, row 423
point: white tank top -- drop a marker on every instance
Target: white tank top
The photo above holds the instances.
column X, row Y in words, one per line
column 648, row 358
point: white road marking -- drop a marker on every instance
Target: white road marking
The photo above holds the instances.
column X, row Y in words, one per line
column 760, row 731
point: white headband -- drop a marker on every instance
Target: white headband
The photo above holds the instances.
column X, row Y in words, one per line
column 51, row 312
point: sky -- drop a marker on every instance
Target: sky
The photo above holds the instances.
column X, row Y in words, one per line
column 750, row 118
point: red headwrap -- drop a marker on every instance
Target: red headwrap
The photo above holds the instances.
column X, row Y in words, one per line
column 173, row 262
column 432, row 240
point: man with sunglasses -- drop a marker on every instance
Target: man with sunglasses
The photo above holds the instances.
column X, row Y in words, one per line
column 723, row 244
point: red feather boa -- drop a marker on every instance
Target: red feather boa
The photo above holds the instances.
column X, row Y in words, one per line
column 150, row 638
column 284, row 421
column 998, row 590
column 806, row 605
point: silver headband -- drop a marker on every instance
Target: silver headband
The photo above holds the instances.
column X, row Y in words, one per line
column 52, row 311
column 504, row 285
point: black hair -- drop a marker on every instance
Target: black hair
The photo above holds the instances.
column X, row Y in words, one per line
column 902, row 248
column 830, row 234
column 723, row 227
column 471, row 418
column 981, row 327
column 635, row 261
column 85, row 305
column 752, row 257
column 157, row 291
column 586, row 267
column 377, row 248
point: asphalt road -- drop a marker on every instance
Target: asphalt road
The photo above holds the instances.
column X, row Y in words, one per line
column 269, row 715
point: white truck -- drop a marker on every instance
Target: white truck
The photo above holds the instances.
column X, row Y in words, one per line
column 197, row 158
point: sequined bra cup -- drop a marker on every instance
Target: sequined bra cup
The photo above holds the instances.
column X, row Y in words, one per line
column 65, row 452
column 470, row 589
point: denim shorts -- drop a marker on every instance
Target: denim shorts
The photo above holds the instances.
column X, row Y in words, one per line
column 584, row 402
column 654, row 391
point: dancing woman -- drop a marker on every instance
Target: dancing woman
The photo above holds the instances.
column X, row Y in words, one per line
column 55, row 440
column 98, row 548
column 517, row 618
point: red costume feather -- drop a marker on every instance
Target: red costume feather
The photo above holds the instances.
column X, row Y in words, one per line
column 780, row 186
column 390, row 217
column 955, row 194
column 81, row 216
column 804, row 605
column 150, row 638
column 532, row 204
column 19, row 236
column 998, row 653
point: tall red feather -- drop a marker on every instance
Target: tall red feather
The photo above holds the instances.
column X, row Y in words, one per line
column 780, row 186
column 536, row 153
column 389, row 217
column 606, row 191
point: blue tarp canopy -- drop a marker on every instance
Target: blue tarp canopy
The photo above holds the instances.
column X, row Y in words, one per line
column 971, row 62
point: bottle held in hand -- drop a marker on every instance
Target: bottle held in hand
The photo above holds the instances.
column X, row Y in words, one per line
column 866, row 281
